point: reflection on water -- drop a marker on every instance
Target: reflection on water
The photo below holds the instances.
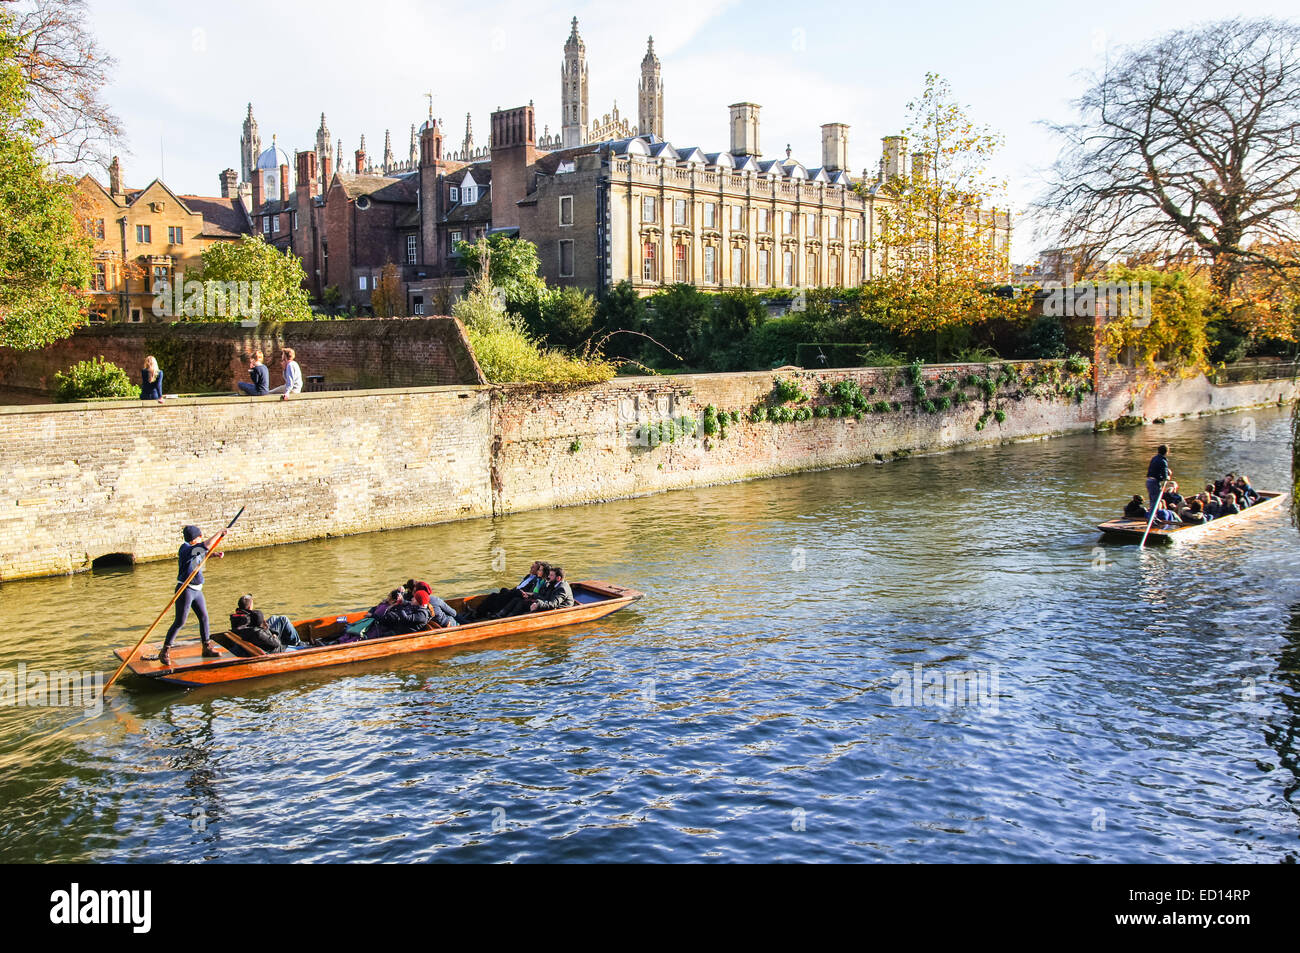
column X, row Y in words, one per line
column 1145, row 706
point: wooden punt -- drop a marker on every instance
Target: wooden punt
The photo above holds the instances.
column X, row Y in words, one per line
column 1130, row 530
column 593, row 600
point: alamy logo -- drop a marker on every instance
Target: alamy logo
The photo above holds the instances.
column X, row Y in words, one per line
column 207, row 299
column 33, row 688
column 1090, row 299
column 77, row 906
column 933, row 688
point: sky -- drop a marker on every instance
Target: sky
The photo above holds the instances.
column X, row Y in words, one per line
column 187, row 70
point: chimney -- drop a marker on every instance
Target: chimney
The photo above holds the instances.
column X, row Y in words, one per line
column 744, row 129
column 835, row 147
column 921, row 166
column 306, row 173
column 361, row 157
column 284, row 183
column 894, row 149
column 258, row 198
column 326, row 172
column 514, row 149
column 229, row 183
column 115, row 178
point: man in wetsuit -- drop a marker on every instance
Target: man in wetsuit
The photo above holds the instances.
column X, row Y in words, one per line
column 189, row 558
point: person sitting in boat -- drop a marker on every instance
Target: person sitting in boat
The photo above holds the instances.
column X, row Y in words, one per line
column 402, row 617
column 1246, row 494
column 557, row 595
column 1173, row 496
column 1211, row 502
column 1135, row 509
column 413, row 586
column 1166, row 515
column 1229, row 505
column 495, row 602
column 279, row 627
column 251, row 627
column 1226, row 484
column 1193, row 513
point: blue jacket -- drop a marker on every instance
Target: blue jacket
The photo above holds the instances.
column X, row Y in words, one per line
column 150, row 391
column 261, row 379
column 189, row 557
column 1158, row 468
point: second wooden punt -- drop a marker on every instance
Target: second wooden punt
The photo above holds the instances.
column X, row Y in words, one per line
column 592, row 600
column 1132, row 529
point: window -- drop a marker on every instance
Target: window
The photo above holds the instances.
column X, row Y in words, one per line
column 143, row 234
column 648, row 208
column 161, row 274
column 737, row 266
column 135, row 315
column 99, row 228
column 679, row 263
column 810, row 226
column 736, row 213
column 266, row 225
column 566, row 209
column 99, row 280
column 787, row 223
column 834, row 276
column 417, row 304
column 648, row 272
column 855, row 229
column 679, row 211
column 469, row 194
column 175, row 235
column 762, row 221
column 275, row 223
column 456, row 237
column 455, row 194
column 295, row 214
column 412, row 247
column 833, row 224
column 762, row 267
column 361, row 282
column 810, row 273
column 566, row 258
column 787, row 269
column 710, row 269
column 710, row 214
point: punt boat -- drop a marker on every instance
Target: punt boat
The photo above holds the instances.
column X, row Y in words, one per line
column 1131, row 530
column 189, row 669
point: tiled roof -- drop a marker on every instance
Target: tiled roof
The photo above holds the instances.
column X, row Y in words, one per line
column 380, row 188
column 222, row 218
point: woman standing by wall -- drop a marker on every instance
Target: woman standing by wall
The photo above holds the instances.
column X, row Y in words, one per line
column 151, row 378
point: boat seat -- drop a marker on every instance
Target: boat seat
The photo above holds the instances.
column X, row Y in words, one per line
column 585, row 598
column 238, row 646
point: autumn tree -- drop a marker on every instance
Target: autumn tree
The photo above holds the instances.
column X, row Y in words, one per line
column 44, row 250
column 940, row 234
column 65, row 72
column 1190, row 144
column 388, row 300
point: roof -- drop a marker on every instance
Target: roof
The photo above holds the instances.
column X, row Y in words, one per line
column 222, row 218
column 481, row 171
column 272, row 158
column 380, row 188
column 479, row 211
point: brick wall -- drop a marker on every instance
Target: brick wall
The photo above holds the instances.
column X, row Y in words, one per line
column 80, row 481
column 199, row 358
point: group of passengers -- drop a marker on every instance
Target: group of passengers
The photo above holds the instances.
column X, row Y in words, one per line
column 1224, row 497
column 414, row 607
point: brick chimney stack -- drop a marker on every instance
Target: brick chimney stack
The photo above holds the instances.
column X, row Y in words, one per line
column 514, row 149
column 115, row 177
column 284, row 183
column 229, row 183
column 361, row 156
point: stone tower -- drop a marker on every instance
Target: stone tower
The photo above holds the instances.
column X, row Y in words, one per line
column 250, row 147
column 322, row 141
column 413, row 158
column 573, row 91
column 650, row 95
column 468, row 145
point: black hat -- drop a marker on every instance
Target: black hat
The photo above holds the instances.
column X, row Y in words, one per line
column 192, row 533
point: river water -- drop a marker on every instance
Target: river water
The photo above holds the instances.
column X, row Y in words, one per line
column 758, row 704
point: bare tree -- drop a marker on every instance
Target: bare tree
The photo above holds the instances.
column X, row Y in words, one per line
column 65, row 72
column 1190, row 144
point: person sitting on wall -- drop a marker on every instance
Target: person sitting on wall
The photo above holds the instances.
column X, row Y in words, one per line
column 1135, row 509
column 292, row 375
column 498, row 600
column 259, row 376
column 151, row 378
column 557, row 595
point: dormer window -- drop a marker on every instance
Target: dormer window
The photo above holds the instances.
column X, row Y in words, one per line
column 469, row 194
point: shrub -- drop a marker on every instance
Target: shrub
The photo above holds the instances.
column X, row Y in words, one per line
column 823, row 412
column 95, row 378
column 710, row 424
column 575, row 446
column 1000, row 415
column 929, row 407
column 758, row 414
column 788, row 391
column 918, row 392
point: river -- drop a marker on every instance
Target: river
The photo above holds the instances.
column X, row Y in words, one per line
column 756, row 705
